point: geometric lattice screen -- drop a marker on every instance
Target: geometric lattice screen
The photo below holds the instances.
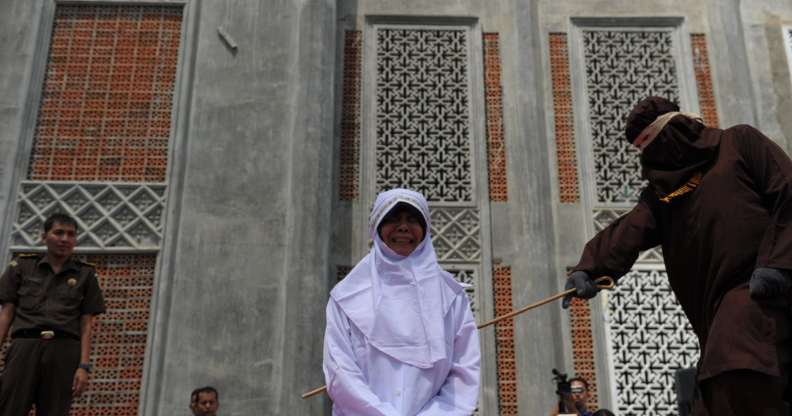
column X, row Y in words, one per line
column 650, row 338
column 110, row 216
column 648, row 332
column 467, row 276
column 623, row 67
column 423, row 113
column 455, row 235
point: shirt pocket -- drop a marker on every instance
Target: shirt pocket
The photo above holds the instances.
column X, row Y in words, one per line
column 69, row 297
column 30, row 292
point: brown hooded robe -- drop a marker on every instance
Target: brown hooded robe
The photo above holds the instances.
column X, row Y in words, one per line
column 737, row 219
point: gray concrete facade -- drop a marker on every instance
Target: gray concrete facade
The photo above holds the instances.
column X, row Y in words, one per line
column 254, row 228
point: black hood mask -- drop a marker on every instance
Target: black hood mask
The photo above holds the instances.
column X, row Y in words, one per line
column 683, row 148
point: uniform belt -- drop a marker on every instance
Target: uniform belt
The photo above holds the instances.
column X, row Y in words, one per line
column 42, row 334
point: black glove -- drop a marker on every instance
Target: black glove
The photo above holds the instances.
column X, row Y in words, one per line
column 585, row 287
column 767, row 282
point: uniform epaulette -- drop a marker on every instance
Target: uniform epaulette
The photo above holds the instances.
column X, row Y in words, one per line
column 23, row 256
column 28, row 256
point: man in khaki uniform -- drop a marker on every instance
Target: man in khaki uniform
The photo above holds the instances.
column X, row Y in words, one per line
column 49, row 302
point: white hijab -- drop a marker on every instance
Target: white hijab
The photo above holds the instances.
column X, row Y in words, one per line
column 400, row 303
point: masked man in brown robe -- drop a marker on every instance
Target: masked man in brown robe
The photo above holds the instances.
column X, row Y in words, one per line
column 719, row 203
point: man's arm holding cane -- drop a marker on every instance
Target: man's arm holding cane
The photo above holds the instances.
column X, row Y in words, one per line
column 614, row 250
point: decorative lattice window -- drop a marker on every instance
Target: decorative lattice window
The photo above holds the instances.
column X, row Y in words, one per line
column 650, row 339
column 110, row 217
column 623, row 67
column 422, row 112
column 455, row 234
column 468, row 277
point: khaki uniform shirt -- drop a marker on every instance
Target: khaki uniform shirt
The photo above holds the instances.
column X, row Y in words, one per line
column 47, row 300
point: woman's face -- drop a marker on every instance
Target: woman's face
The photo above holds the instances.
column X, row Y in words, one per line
column 402, row 231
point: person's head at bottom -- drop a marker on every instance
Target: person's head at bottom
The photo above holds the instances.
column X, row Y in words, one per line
column 603, row 412
column 579, row 394
column 204, row 401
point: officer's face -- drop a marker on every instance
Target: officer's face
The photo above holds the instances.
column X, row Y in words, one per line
column 205, row 404
column 401, row 231
column 60, row 240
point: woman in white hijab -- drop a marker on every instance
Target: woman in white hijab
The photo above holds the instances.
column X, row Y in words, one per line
column 400, row 336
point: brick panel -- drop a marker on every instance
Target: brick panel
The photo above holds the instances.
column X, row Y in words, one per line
column 105, row 112
column 504, row 337
column 350, row 116
column 496, row 147
column 583, row 347
column 701, row 67
column 119, row 339
column 566, row 154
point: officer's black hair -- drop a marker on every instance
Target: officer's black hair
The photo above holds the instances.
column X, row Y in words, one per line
column 205, row 389
column 60, row 218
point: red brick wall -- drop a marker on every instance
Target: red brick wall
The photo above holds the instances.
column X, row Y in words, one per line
column 107, row 97
column 119, row 341
column 496, row 147
column 350, row 116
column 504, row 337
column 701, row 68
column 566, row 157
column 583, row 347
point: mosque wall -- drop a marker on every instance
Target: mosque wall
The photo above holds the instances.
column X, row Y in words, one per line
column 228, row 186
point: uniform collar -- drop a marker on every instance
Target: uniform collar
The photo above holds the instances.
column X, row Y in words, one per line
column 69, row 264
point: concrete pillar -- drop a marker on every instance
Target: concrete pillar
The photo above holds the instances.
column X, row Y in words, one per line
column 731, row 72
column 21, row 75
column 527, row 219
column 244, row 274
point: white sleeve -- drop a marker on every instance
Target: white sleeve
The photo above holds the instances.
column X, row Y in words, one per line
column 346, row 384
column 459, row 394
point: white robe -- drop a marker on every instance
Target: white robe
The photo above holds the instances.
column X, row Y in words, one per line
column 363, row 381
